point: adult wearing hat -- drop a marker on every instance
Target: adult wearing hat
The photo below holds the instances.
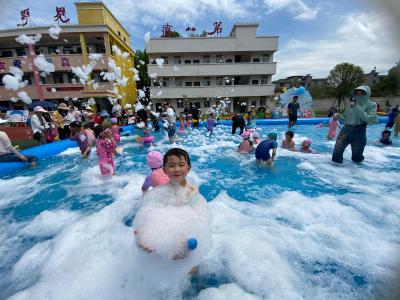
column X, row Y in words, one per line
column 39, row 124
column 59, row 117
column 8, row 153
column 361, row 112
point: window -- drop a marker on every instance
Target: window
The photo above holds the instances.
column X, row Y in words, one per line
column 254, row 103
column 165, row 82
column 206, row 59
column 207, row 103
column 219, row 80
column 28, row 78
column 196, row 61
column 265, row 58
column 124, row 39
column 52, row 50
column 165, row 58
column 119, row 33
column 254, row 81
column 20, row 51
column 196, row 83
column 219, row 59
column 188, row 61
column 58, row 78
column 72, row 78
column 263, row 101
column 228, row 61
column 6, row 53
column 179, row 103
column 178, row 82
column 264, row 79
column 68, row 50
column 256, row 60
column 188, row 83
column 177, row 60
column 197, row 104
column 207, row 81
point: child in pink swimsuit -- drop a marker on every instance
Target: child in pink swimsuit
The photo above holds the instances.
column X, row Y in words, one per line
column 246, row 146
column 157, row 176
column 333, row 125
column 105, row 150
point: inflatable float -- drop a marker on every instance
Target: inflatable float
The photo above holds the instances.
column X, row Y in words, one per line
column 47, row 150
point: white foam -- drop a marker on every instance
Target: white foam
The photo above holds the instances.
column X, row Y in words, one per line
column 226, row 292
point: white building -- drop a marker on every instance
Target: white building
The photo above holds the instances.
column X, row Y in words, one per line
column 203, row 70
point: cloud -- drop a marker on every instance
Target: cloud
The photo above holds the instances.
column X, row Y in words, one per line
column 364, row 39
column 298, row 8
column 149, row 12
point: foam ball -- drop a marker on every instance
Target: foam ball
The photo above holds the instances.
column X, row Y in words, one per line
column 191, row 244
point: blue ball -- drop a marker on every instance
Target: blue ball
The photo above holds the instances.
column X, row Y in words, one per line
column 191, row 244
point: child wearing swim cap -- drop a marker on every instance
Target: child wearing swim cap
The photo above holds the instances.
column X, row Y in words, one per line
column 157, row 175
column 246, row 146
column 306, row 146
column 256, row 138
column 263, row 149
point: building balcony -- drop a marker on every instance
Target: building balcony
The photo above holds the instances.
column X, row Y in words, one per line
column 212, row 91
column 216, row 69
column 61, row 91
column 61, row 62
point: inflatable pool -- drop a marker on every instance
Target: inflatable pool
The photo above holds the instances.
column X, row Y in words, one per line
column 55, row 148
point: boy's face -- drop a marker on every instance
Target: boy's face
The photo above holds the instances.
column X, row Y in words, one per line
column 306, row 146
column 385, row 136
column 287, row 137
column 176, row 168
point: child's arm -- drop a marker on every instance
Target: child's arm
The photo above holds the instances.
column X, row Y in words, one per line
column 273, row 154
column 147, row 183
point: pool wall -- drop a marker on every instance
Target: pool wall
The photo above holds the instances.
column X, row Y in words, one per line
column 44, row 151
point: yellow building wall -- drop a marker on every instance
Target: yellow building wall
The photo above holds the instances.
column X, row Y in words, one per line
column 98, row 13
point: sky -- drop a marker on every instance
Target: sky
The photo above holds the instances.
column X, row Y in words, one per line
column 314, row 35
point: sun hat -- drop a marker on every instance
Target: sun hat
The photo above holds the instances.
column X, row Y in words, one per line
column 63, row 106
column 154, row 159
column 39, row 109
column 114, row 120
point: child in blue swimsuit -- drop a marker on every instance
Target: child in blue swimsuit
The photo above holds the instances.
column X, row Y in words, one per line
column 263, row 149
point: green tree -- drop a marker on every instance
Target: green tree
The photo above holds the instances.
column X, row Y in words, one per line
column 141, row 61
column 390, row 85
column 321, row 92
column 344, row 78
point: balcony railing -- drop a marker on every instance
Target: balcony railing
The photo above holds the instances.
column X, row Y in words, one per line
column 212, row 91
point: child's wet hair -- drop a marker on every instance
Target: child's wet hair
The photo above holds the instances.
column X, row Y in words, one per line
column 178, row 152
column 75, row 124
column 289, row 133
column 386, row 131
column 98, row 130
